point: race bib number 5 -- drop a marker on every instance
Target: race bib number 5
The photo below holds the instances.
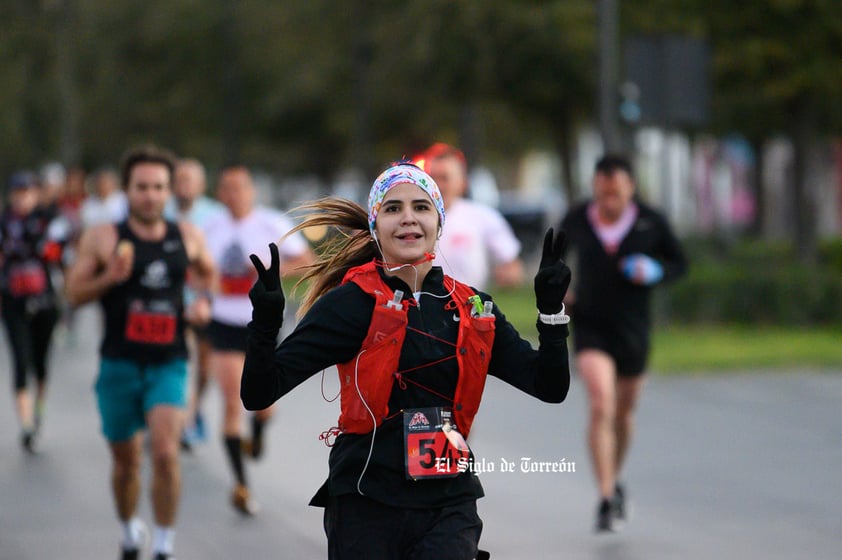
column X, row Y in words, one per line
column 434, row 446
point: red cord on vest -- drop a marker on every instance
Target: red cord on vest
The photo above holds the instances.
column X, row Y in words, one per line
column 427, row 258
column 326, row 436
column 401, row 379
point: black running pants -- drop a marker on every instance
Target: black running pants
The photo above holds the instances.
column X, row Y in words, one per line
column 29, row 335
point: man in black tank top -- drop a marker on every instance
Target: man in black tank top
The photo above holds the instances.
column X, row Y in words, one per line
column 144, row 319
column 137, row 270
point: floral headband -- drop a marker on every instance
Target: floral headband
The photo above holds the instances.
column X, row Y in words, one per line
column 396, row 175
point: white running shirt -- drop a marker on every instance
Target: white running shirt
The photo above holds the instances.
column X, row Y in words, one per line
column 231, row 242
column 110, row 210
column 475, row 239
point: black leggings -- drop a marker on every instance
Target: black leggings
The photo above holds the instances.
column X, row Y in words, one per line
column 29, row 337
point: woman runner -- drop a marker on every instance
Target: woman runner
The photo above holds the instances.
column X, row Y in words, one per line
column 413, row 348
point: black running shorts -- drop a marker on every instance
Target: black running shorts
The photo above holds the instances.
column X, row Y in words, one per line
column 629, row 349
column 227, row 338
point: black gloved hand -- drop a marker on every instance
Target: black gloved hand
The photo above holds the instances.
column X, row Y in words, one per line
column 267, row 296
column 553, row 276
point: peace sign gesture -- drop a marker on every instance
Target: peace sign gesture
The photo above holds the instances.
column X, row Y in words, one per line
column 553, row 276
column 267, row 296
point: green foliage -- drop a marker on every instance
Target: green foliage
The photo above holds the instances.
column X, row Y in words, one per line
column 772, row 56
column 830, row 254
column 709, row 346
column 302, row 85
column 753, row 294
column 695, row 348
column 311, row 85
column 757, row 283
column 518, row 305
column 749, row 282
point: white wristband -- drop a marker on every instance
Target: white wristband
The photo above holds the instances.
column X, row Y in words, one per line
column 559, row 318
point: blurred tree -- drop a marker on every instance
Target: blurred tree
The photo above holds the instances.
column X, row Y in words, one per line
column 153, row 71
column 313, row 86
column 546, row 68
column 304, row 85
column 27, row 98
column 778, row 69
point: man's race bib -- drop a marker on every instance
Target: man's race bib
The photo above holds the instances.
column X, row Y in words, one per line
column 148, row 326
column 27, row 279
column 434, row 447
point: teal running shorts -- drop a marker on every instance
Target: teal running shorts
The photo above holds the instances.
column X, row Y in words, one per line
column 126, row 391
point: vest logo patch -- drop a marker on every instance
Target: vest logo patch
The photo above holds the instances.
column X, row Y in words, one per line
column 418, row 419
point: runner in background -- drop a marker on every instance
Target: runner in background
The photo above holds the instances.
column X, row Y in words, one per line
column 69, row 206
column 624, row 249
column 53, row 177
column 30, row 247
column 137, row 270
column 478, row 245
column 52, row 181
column 245, row 229
column 106, row 202
column 189, row 202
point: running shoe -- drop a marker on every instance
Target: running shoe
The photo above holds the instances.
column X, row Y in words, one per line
column 243, row 502
column 194, row 434
column 186, row 441
column 252, row 447
column 27, row 440
column 163, row 556
column 199, row 432
column 604, row 517
column 141, row 541
column 620, row 503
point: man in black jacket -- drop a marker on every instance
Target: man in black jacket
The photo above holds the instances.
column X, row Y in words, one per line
column 624, row 248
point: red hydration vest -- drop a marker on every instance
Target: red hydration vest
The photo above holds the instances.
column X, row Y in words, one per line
column 374, row 370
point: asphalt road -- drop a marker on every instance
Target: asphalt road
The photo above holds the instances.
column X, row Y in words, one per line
column 737, row 466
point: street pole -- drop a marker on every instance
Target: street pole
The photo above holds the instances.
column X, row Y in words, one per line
column 609, row 75
column 232, row 87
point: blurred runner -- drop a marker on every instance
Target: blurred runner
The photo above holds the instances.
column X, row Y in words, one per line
column 30, row 246
column 478, row 245
column 106, row 203
column 244, row 229
column 624, row 248
column 137, row 270
column 69, row 206
column 190, row 203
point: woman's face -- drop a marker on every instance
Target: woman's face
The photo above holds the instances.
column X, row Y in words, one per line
column 406, row 225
